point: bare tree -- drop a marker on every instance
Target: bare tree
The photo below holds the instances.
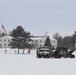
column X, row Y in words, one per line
column 67, row 41
column 58, row 38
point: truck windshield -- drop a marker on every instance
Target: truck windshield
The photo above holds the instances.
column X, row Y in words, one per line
column 44, row 49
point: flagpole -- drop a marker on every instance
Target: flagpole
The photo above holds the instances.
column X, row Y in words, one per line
column 2, row 26
column 1, row 23
column 1, row 19
column 1, row 15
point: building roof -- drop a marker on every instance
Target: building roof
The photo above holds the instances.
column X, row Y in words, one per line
column 7, row 37
column 36, row 38
column 41, row 37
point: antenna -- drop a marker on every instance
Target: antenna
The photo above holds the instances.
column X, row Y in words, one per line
column 46, row 33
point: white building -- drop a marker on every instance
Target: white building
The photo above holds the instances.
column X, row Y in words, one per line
column 39, row 41
column 5, row 41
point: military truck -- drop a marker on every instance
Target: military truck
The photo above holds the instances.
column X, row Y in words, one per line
column 63, row 52
column 44, row 52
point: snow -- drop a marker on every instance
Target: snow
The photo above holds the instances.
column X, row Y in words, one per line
column 27, row 64
column 7, row 37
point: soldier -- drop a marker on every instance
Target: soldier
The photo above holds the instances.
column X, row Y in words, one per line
column 5, row 50
column 15, row 51
column 28, row 51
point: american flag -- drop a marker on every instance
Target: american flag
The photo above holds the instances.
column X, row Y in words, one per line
column 3, row 28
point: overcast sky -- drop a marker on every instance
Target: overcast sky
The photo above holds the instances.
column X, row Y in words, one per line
column 39, row 16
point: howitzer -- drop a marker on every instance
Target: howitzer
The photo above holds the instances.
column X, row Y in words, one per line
column 58, row 53
column 70, row 53
column 63, row 52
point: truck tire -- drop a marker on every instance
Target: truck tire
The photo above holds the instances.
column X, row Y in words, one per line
column 39, row 56
column 72, row 56
column 49, row 56
column 58, row 56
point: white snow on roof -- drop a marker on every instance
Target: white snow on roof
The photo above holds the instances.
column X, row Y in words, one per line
column 7, row 37
column 35, row 38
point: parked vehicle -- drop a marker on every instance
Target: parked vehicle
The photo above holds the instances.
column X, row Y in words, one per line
column 63, row 52
column 56, row 53
column 44, row 52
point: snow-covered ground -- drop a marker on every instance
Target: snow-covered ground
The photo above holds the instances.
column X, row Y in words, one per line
column 28, row 64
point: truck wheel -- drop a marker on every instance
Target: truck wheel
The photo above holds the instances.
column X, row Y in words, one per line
column 72, row 56
column 48, row 56
column 58, row 56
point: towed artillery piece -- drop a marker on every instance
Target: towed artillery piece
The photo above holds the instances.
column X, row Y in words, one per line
column 63, row 52
column 47, row 52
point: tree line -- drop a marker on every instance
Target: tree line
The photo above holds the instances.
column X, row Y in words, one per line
column 68, row 41
column 22, row 39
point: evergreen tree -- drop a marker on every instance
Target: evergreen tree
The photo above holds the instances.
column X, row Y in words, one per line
column 3, row 34
column 74, row 39
column 21, row 39
column 47, row 42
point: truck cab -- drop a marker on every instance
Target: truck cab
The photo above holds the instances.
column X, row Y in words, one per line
column 43, row 52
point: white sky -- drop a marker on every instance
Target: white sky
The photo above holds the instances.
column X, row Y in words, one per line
column 40, row 16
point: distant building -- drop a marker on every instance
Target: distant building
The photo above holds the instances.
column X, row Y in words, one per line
column 5, row 41
column 39, row 41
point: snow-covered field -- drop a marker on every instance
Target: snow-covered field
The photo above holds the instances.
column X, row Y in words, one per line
column 28, row 64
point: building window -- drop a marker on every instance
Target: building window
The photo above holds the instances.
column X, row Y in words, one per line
column 36, row 40
column 4, row 44
column 4, row 40
column 8, row 40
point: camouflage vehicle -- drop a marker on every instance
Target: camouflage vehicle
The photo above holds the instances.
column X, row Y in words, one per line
column 63, row 52
column 44, row 52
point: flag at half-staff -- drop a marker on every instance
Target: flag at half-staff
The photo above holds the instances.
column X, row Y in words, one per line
column 3, row 29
